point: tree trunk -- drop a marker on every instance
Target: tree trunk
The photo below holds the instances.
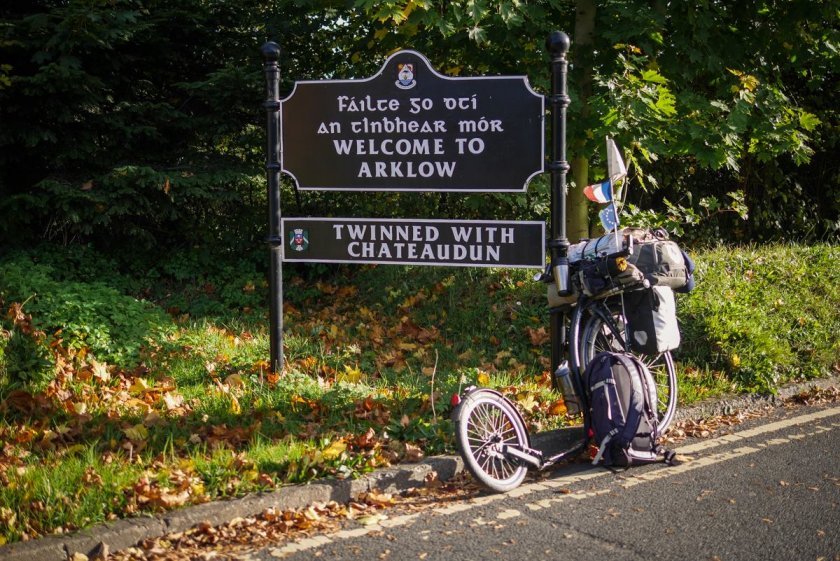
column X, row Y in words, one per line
column 582, row 48
column 578, row 213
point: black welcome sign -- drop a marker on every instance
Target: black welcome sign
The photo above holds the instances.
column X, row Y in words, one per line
column 409, row 128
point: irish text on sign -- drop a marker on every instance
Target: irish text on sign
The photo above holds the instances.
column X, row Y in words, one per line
column 409, row 128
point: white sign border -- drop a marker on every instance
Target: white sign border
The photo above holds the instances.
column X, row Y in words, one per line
column 540, row 223
column 477, row 189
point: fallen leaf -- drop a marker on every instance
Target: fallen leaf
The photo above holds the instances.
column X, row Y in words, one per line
column 526, row 402
column 234, row 408
column 432, row 480
column 371, row 519
column 376, row 498
column 366, row 440
column 139, row 386
column 539, row 336
column 557, row 408
column 334, row 450
column 174, row 499
column 90, row 477
column 137, row 433
column 173, row 400
column 100, row 371
column 235, row 381
column 8, row 516
column 351, row 375
column 413, row 453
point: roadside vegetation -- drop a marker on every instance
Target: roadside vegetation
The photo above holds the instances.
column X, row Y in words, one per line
column 126, row 395
column 134, row 373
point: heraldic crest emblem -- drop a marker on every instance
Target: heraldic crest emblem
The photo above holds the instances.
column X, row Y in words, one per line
column 405, row 76
column 299, row 239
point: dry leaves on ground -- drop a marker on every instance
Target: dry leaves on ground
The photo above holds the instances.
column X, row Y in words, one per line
column 272, row 527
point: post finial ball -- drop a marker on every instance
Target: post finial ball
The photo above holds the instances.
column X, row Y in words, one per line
column 558, row 43
column 271, row 51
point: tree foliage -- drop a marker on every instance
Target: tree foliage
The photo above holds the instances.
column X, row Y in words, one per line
column 721, row 106
column 138, row 123
column 732, row 92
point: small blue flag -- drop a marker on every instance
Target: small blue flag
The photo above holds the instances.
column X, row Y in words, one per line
column 609, row 220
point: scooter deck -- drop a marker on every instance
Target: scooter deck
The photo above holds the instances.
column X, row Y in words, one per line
column 558, row 441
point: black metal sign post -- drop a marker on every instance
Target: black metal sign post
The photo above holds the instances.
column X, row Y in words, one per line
column 558, row 44
column 271, row 56
column 409, row 128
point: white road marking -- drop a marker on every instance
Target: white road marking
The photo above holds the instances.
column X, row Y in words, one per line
column 509, row 513
column 564, row 481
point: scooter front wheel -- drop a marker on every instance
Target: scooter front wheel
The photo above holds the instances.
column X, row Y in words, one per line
column 485, row 424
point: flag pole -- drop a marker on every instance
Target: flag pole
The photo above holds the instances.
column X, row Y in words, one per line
column 611, row 174
column 615, row 213
column 618, row 247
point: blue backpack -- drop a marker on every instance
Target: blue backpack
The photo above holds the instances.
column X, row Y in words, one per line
column 622, row 398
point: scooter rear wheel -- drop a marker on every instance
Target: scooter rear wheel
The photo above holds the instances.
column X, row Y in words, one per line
column 485, row 423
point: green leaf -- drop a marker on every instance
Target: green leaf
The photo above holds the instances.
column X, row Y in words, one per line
column 666, row 103
column 808, row 121
column 653, row 76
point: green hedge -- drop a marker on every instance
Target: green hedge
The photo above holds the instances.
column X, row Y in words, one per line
column 90, row 315
column 759, row 317
column 764, row 315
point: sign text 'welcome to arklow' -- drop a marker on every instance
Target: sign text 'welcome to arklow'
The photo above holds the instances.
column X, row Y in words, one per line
column 409, row 128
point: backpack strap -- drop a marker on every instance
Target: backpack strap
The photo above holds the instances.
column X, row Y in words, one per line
column 668, row 456
column 648, row 406
column 602, row 448
column 634, row 412
column 601, row 384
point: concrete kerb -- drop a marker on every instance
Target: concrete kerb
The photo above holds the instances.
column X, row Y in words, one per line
column 727, row 405
column 126, row 533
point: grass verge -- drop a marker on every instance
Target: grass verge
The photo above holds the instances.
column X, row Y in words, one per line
column 112, row 407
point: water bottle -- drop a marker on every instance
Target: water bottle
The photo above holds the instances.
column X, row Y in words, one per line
column 563, row 375
column 561, row 276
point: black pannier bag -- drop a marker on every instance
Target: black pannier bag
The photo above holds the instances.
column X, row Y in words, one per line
column 612, row 271
column 652, row 320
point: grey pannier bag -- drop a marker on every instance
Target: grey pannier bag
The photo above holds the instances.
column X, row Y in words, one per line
column 662, row 262
column 652, row 320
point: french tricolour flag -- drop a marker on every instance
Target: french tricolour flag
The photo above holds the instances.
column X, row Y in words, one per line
column 600, row 192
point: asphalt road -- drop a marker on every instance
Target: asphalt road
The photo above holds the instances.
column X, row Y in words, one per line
column 769, row 490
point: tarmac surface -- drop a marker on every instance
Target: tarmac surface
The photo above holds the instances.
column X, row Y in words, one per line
column 128, row 532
